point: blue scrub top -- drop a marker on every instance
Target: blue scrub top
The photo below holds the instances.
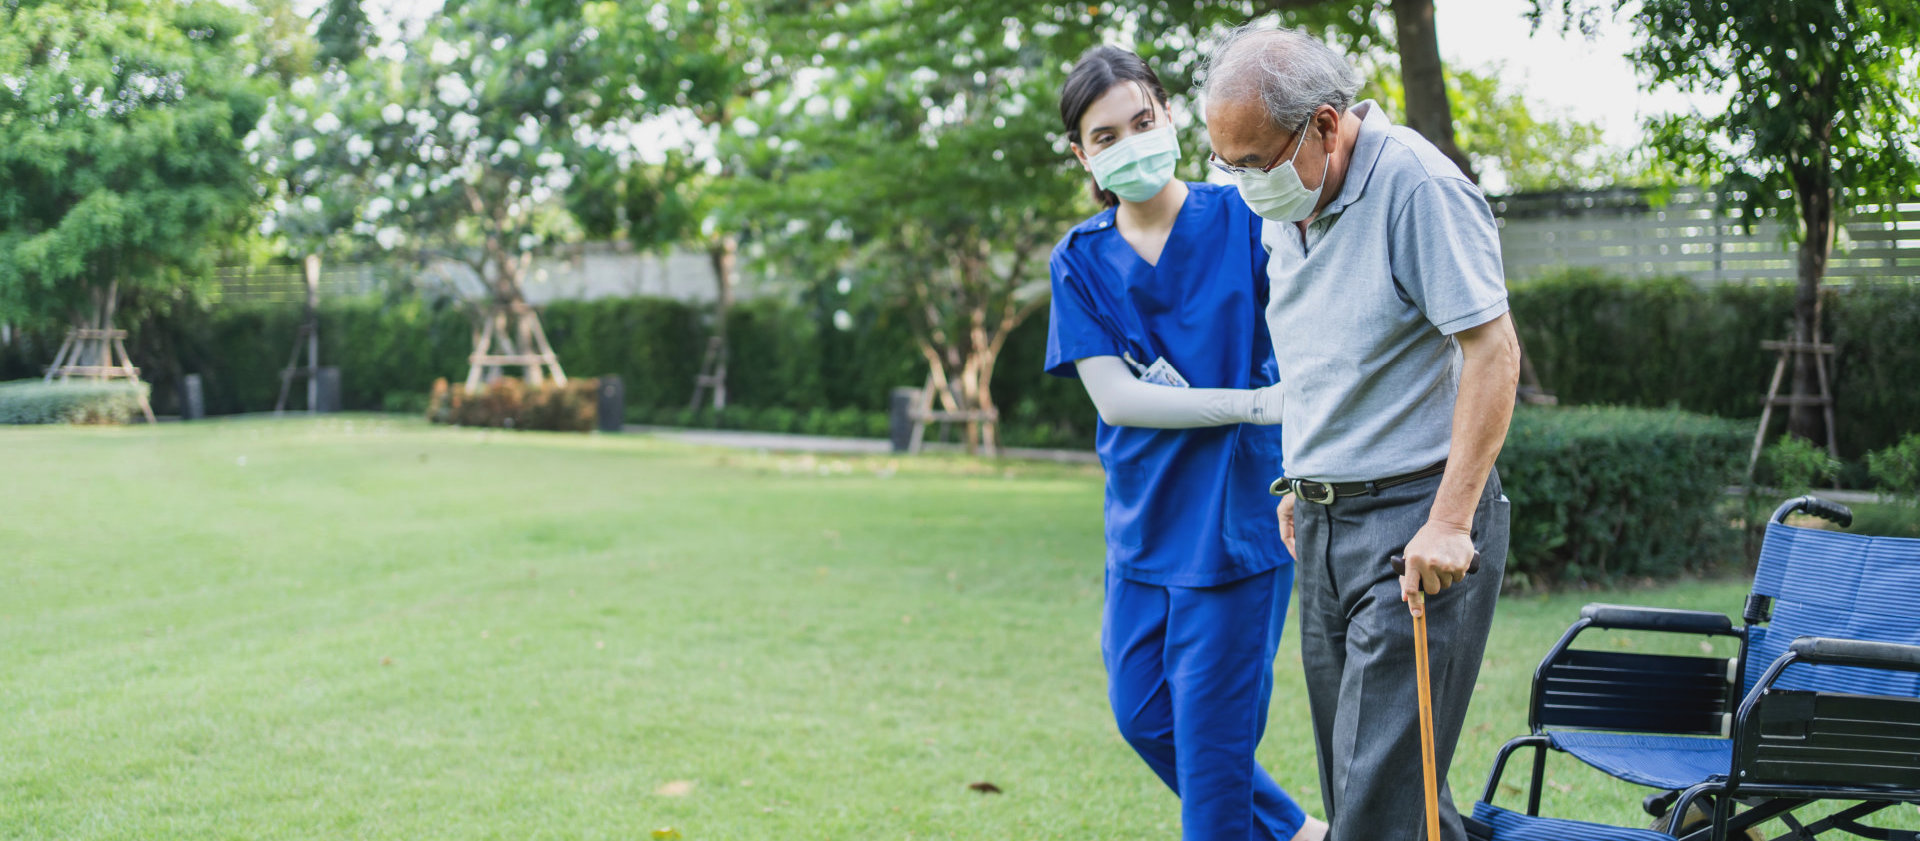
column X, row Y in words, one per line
column 1184, row 507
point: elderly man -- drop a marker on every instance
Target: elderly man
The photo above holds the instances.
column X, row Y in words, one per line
column 1389, row 321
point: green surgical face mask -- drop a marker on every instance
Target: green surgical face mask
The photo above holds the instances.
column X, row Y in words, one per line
column 1137, row 168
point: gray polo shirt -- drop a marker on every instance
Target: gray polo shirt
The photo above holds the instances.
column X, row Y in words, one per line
column 1364, row 308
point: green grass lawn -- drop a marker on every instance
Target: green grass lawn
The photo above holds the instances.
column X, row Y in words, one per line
column 363, row 627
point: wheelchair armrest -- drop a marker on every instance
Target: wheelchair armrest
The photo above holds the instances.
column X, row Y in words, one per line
column 1631, row 618
column 1834, row 736
column 1829, row 651
column 1866, row 654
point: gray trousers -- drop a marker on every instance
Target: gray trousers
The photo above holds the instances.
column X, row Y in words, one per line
column 1356, row 642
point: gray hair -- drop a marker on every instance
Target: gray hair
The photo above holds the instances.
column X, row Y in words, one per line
column 1290, row 72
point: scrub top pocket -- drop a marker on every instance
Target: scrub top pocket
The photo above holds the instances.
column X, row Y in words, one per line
column 1129, row 495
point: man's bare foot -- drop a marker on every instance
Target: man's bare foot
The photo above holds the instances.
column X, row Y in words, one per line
column 1314, row 829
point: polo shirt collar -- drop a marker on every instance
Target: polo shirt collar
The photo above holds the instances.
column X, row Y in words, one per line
column 1366, row 152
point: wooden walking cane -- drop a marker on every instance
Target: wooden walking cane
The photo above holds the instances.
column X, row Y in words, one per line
column 1429, row 766
column 1428, row 772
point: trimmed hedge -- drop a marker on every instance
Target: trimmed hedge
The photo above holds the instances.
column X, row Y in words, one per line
column 1593, row 338
column 786, row 358
column 1607, row 493
column 849, row 422
column 85, row 401
column 1601, row 339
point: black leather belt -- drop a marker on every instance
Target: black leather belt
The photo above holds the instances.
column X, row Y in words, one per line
column 1326, row 492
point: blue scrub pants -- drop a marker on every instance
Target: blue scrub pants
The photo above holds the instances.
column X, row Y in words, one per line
column 1189, row 673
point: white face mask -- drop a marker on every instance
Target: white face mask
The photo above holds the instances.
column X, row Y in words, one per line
column 1279, row 194
column 1139, row 167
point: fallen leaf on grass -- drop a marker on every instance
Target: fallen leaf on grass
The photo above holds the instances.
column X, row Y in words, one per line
column 666, row 833
column 386, row 661
column 677, row 788
column 984, row 787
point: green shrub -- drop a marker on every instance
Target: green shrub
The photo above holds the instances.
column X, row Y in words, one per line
column 848, row 423
column 1596, row 338
column 1882, row 519
column 404, row 402
column 510, row 403
column 1593, row 338
column 1876, row 334
column 85, row 401
column 779, row 419
column 1796, row 465
column 1897, row 469
column 1607, row 493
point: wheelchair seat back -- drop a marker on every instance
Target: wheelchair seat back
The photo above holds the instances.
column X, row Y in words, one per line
column 1827, row 724
column 1834, row 584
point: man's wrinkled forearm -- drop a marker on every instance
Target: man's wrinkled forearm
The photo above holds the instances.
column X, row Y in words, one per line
column 1489, row 374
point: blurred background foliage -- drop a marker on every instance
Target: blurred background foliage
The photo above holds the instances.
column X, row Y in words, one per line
column 894, row 171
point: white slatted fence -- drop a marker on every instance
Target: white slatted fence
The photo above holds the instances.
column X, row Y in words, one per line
column 1690, row 234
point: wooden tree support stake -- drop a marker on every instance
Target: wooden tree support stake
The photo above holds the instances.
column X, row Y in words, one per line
column 923, row 413
column 309, row 336
column 712, row 378
column 532, row 352
column 91, row 351
column 1788, row 351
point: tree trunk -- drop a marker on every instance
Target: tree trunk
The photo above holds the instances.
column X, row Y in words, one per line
column 990, row 434
column 1421, row 75
column 725, row 255
column 1816, row 210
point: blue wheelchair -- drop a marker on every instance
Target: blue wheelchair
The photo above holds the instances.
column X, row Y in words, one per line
column 1822, row 703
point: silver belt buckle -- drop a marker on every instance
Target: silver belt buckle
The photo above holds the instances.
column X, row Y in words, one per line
column 1324, row 500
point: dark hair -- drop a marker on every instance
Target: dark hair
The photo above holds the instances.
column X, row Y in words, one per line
column 1097, row 71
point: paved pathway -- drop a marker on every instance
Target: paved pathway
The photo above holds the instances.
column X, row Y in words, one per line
column 781, row 442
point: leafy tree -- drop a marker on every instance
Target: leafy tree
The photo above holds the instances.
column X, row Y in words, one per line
column 287, row 52
column 468, row 137
column 343, row 32
column 1501, row 132
column 122, row 163
column 1170, row 35
column 917, row 146
column 913, row 145
column 694, row 68
column 1167, row 32
column 1822, row 111
column 921, row 150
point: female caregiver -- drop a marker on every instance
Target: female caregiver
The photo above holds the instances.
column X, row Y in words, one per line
column 1157, row 308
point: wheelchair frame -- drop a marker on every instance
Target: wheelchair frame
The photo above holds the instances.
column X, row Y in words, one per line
column 1778, row 735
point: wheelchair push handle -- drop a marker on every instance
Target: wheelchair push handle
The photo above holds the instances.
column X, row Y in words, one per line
column 1399, row 564
column 1832, row 512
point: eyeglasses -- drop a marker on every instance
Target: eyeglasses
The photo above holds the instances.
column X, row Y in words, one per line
column 1237, row 171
